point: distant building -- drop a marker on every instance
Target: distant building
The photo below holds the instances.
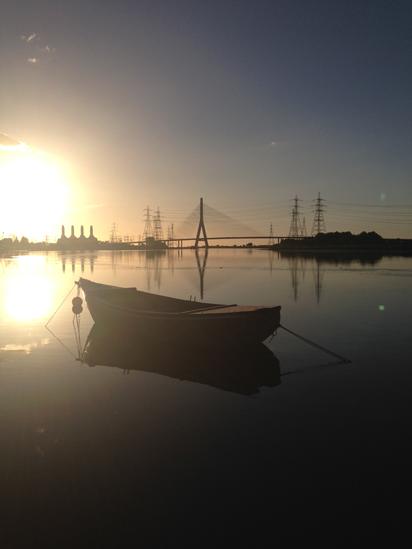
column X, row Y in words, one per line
column 152, row 244
column 77, row 243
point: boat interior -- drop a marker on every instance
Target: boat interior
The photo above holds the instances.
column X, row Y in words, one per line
column 135, row 299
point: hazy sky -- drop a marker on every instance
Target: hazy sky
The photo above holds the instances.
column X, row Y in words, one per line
column 244, row 103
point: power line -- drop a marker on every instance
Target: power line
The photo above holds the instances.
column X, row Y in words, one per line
column 361, row 205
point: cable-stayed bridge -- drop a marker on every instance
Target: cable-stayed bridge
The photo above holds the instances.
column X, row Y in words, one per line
column 205, row 224
column 214, row 225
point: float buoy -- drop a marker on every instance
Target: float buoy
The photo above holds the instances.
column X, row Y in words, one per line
column 77, row 305
column 77, row 309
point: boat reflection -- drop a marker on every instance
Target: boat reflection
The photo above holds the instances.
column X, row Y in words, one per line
column 244, row 370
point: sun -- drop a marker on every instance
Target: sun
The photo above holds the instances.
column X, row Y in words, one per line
column 34, row 194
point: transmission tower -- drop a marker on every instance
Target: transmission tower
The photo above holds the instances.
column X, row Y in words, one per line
column 296, row 225
column 303, row 231
column 113, row 233
column 170, row 231
column 148, row 230
column 271, row 240
column 157, row 225
column 319, row 225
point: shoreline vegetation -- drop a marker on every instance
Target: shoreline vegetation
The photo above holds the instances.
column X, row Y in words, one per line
column 346, row 243
column 337, row 243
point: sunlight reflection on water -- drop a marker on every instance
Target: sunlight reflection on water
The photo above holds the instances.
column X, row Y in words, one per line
column 29, row 290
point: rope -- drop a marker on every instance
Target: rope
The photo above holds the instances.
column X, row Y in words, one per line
column 316, row 345
column 61, row 342
column 61, row 304
column 77, row 335
column 314, row 367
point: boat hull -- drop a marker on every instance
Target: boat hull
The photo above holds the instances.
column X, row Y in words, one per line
column 248, row 327
column 178, row 321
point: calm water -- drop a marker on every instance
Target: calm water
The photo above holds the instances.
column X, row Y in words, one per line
column 97, row 455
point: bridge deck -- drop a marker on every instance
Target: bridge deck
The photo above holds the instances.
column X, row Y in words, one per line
column 268, row 237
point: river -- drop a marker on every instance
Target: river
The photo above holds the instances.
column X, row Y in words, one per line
column 94, row 454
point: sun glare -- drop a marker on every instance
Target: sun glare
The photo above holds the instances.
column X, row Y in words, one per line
column 34, row 194
column 28, row 291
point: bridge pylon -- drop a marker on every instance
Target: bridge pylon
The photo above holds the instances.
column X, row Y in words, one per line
column 201, row 228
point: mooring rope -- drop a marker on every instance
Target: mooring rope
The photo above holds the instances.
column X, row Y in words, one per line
column 316, row 345
column 61, row 342
column 61, row 304
column 77, row 309
column 76, row 326
column 77, row 335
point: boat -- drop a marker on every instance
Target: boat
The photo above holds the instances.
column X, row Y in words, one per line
column 242, row 369
column 155, row 317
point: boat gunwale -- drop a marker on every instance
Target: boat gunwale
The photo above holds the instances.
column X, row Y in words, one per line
column 192, row 314
column 98, row 287
column 96, row 294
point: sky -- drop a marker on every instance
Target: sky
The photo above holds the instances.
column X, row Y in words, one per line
column 247, row 104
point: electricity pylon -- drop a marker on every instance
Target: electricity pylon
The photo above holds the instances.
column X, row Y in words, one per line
column 296, row 225
column 113, row 233
column 319, row 225
column 157, row 226
column 271, row 240
column 148, row 230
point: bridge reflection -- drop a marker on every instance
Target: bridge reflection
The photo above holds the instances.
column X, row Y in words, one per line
column 155, row 262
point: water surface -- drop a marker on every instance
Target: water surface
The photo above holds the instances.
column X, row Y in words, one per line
column 136, row 447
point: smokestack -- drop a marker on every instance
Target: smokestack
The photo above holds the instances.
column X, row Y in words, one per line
column 63, row 235
column 72, row 233
column 81, row 231
column 91, row 232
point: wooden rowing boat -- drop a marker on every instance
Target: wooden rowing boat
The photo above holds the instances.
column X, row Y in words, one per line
column 241, row 369
column 155, row 317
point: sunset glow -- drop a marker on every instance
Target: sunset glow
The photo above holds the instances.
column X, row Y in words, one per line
column 205, row 271
column 34, row 193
